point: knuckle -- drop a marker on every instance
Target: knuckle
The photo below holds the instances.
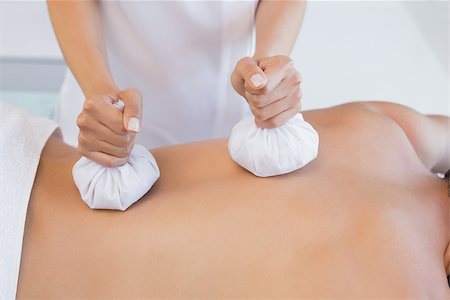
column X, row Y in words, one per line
column 263, row 91
column 134, row 93
column 270, row 123
column 258, row 101
column 248, row 71
column 284, row 60
column 281, row 59
column 109, row 162
column 297, row 95
column 248, row 88
column 257, row 104
column 274, row 122
column 89, row 105
column 81, row 150
column 81, row 121
column 288, row 61
column 243, row 60
column 297, row 77
column 277, row 123
column 82, row 139
column 300, row 94
column 259, row 114
column 263, row 124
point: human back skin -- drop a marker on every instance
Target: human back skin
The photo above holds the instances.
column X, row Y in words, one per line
column 365, row 219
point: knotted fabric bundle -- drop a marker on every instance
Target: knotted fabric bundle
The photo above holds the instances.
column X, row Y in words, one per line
column 275, row 151
column 116, row 188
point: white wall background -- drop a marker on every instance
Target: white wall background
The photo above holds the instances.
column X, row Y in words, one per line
column 355, row 50
column 383, row 50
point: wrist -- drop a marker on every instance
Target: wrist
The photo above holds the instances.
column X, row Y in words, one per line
column 266, row 54
column 260, row 55
column 93, row 79
column 98, row 88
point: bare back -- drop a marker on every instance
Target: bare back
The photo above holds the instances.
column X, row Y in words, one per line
column 366, row 218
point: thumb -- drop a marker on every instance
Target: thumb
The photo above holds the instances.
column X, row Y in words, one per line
column 251, row 73
column 132, row 114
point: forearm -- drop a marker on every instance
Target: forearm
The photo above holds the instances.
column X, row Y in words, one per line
column 277, row 26
column 78, row 30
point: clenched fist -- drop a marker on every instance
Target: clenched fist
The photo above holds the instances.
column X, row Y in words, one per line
column 271, row 86
column 106, row 133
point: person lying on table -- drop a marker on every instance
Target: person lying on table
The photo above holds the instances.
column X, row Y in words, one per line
column 367, row 218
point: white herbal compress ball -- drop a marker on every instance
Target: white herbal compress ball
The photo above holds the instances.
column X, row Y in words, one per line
column 116, row 188
column 273, row 151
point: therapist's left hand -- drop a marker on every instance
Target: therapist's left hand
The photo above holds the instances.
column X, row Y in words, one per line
column 271, row 86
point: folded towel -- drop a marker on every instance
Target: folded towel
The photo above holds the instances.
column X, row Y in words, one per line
column 22, row 138
column 275, row 151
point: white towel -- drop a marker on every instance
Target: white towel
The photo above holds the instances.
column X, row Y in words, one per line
column 22, row 138
column 275, row 151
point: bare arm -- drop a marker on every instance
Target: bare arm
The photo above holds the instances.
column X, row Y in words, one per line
column 106, row 136
column 277, row 26
column 78, row 30
column 428, row 134
column 270, row 74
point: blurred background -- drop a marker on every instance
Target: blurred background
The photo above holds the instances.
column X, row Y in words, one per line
column 346, row 51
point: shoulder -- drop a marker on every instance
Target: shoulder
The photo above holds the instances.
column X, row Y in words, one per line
column 354, row 115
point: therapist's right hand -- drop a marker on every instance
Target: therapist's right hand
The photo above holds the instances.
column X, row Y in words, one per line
column 107, row 134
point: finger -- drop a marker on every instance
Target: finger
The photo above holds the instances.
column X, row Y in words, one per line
column 238, row 83
column 280, row 119
column 287, row 86
column 253, row 76
column 277, row 107
column 92, row 143
column 276, row 68
column 102, row 110
column 103, row 159
column 120, row 140
column 122, row 152
column 132, row 114
column 89, row 125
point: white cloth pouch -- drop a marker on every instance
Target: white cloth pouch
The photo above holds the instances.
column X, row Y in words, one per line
column 116, row 188
column 273, row 151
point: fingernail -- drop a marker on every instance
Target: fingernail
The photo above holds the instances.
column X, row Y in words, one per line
column 134, row 125
column 257, row 80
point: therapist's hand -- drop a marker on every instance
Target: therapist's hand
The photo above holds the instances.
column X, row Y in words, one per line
column 271, row 86
column 106, row 133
